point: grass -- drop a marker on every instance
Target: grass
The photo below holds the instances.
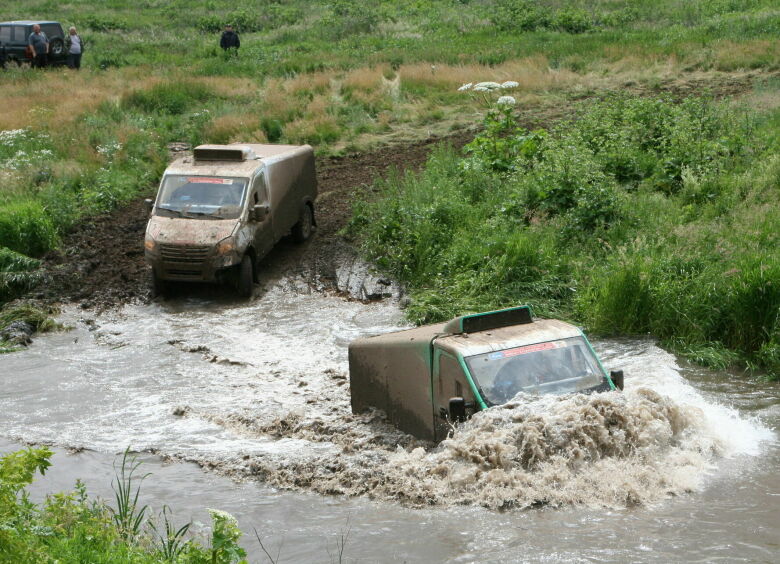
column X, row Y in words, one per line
column 326, row 73
column 638, row 215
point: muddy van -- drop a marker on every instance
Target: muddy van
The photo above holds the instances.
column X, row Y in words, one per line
column 427, row 377
column 219, row 211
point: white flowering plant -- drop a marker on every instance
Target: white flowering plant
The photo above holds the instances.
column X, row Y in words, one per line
column 224, row 538
column 21, row 149
column 503, row 144
column 485, row 92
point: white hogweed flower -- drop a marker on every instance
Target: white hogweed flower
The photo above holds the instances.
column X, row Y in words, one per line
column 465, row 87
column 510, row 84
column 506, row 101
column 483, row 86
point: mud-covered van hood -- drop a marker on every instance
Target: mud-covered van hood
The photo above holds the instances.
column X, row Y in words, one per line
column 185, row 231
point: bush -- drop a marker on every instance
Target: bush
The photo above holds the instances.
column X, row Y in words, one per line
column 26, row 227
column 71, row 527
column 519, row 15
column 572, row 20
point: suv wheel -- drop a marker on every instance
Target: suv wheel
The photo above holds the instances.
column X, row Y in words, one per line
column 56, row 47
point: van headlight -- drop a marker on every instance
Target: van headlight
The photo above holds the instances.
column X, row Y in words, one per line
column 226, row 253
column 150, row 244
column 226, row 246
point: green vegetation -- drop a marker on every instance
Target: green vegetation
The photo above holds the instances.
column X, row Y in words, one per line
column 637, row 215
column 72, row 528
column 337, row 74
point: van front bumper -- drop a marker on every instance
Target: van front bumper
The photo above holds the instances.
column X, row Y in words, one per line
column 189, row 263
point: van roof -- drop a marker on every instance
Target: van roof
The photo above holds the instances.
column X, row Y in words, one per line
column 468, row 344
column 263, row 154
column 540, row 331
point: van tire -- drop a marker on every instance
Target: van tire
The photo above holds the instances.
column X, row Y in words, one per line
column 302, row 230
column 158, row 286
column 245, row 277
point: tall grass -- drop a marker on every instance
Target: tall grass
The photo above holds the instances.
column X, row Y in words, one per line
column 639, row 216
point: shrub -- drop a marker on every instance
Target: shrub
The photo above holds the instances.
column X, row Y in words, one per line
column 26, row 227
column 519, row 15
column 572, row 20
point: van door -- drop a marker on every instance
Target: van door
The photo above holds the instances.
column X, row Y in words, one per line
column 263, row 239
column 448, row 381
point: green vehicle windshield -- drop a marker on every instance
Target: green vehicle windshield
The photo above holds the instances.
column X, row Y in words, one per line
column 553, row 367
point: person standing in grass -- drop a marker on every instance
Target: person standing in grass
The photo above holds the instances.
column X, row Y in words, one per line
column 230, row 41
column 39, row 44
column 75, row 48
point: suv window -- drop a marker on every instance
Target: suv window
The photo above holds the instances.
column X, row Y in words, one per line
column 5, row 33
column 21, row 33
column 51, row 30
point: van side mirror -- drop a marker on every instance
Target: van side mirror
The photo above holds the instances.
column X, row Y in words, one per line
column 617, row 378
column 148, row 204
column 259, row 212
column 457, row 409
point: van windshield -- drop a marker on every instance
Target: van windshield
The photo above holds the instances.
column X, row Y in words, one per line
column 554, row 367
column 201, row 196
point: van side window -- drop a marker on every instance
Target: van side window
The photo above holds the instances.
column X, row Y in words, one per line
column 5, row 34
column 258, row 188
column 450, row 374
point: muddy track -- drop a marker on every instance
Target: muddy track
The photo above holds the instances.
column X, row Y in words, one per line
column 101, row 261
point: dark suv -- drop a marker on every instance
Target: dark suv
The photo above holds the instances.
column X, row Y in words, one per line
column 14, row 36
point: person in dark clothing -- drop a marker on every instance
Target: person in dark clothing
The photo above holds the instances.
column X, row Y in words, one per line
column 3, row 57
column 230, row 41
column 39, row 44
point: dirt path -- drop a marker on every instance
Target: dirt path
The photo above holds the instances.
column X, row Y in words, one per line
column 101, row 262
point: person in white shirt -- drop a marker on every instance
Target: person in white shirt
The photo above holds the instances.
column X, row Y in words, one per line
column 75, row 48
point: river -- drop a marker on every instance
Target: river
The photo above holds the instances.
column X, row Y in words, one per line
column 244, row 406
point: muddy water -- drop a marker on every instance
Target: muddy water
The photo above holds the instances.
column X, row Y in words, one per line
column 682, row 466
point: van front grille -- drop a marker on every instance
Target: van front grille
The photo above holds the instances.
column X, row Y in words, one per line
column 186, row 254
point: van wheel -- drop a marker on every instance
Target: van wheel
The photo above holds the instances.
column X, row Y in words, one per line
column 302, row 230
column 245, row 278
column 158, row 286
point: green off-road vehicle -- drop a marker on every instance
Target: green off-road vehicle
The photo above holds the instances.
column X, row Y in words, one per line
column 426, row 378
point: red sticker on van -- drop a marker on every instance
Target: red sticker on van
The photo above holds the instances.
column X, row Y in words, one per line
column 204, row 180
